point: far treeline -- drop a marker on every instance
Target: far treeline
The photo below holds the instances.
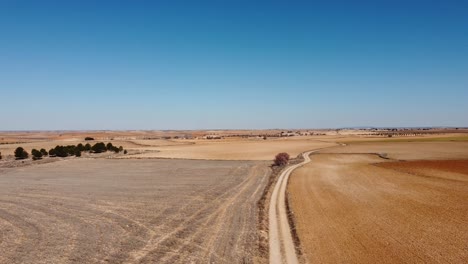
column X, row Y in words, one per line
column 69, row 150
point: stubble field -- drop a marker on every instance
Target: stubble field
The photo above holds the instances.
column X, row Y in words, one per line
column 132, row 211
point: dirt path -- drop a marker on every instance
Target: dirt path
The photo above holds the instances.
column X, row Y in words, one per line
column 138, row 211
column 282, row 249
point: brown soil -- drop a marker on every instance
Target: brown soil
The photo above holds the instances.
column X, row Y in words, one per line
column 425, row 167
column 350, row 211
column 132, row 211
column 408, row 150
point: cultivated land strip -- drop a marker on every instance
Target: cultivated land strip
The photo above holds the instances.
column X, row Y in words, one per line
column 282, row 249
column 359, row 208
column 139, row 211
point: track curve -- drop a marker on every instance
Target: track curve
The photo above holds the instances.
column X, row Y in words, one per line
column 282, row 249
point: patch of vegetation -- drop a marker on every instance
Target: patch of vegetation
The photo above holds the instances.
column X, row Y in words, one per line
column 52, row 153
column 44, row 152
column 99, row 147
column 88, row 138
column 36, row 154
column 69, row 150
column 20, row 153
column 80, row 147
column 281, row 159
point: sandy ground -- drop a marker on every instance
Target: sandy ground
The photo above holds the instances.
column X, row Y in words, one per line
column 132, row 211
column 236, row 150
column 350, row 211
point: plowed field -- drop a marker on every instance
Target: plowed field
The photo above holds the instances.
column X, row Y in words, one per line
column 348, row 210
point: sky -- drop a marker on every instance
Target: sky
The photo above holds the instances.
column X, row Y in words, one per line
column 91, row 65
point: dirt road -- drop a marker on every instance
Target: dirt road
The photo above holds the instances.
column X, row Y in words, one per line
column 282, row 249
column 131, row 211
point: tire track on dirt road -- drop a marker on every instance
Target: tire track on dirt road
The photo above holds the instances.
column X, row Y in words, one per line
column 282, row 249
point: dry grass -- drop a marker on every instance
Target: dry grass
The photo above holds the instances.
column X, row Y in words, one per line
column 236, row 149
column 138, row 211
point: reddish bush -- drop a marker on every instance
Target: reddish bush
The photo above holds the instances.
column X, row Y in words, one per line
column 281, row 159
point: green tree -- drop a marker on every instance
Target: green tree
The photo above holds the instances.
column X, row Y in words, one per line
column 109, row 146
column 36, row 154
column 115, row 149
column 61, row 151
column 20, row 153
column 44, row 152
column 125, row 152
column 77, row 152
column 52, row 153
column 87, row 147
column 80, row 147
column 99, row 147
column 70, row 149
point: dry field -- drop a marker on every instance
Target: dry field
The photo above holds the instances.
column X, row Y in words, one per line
column 132, row 211
column 408, row 150
column 235, row 149
column 150, row 145
column 195, row 200
column 348, row 210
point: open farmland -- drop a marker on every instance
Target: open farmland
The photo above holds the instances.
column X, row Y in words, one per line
column 132, row 211
column 348, row 210
column 408, row 150
column 235, row 149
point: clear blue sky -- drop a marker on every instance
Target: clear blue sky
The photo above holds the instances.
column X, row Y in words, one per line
column 232, row 64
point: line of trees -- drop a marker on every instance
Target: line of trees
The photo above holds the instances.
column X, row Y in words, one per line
column 69, row 150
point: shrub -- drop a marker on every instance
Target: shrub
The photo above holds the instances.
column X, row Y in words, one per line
column 61, row 151
column 99, row 147
column 70, row 149
column 88, row 138
column 116, row 149
column 0, row 155
column 87, row 147
column 281, row 159
column 20, row 153
column 120, row 148
column 80, row 147
column 125, row 152
column 44, row 152
column 109, row 146
column 77, row 152
column 52, row 153
column 36, row 154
